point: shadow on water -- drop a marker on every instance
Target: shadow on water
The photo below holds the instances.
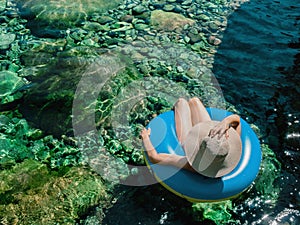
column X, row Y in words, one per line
column 146, row 206
column 257, row 66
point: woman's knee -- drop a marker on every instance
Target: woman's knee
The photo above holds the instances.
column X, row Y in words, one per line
column 182, row 109
column 181, row 102
column 195, row 100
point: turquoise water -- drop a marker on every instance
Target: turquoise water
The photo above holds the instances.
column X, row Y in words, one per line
column 250, row 48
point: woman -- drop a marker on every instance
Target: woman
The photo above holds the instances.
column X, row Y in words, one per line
column 213, row 148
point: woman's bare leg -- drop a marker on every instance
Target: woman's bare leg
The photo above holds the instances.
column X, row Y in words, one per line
column 198, row 111
column 183, row 119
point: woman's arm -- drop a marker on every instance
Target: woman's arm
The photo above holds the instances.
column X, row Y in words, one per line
column 235, row 122
column 162, row 158
column 225, row 124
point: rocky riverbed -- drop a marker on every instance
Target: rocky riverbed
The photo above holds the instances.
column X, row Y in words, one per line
column 142, row 56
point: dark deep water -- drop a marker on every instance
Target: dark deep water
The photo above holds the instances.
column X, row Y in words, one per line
column 257, row 66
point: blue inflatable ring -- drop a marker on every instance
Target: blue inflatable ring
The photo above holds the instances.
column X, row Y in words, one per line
column 193, row 186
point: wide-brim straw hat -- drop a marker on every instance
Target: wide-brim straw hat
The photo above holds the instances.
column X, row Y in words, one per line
column 212, row 157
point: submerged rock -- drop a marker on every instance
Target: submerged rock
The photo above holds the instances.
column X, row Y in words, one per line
column 19, row 141
column 169, row 21
column 48, row 18
column 6, row 40
column 9, row 82
column 2, row 5
column 48, row 197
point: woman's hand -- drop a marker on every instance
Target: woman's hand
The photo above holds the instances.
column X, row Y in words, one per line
column 220, row 129
column 223, row 127
column 145, row 133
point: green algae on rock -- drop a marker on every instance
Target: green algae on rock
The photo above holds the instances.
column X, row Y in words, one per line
column 219, row 212
column 50, row 17
column 169, row 21
column 2, row 5
column 48, row 197
column 9, row 82
column 19, row 141
column 6, row 40
column 265, row 184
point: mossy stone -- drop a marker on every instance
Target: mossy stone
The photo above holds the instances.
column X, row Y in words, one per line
column 2, row 5
column 169, row 21
column 9, row 81
column 169, row 7
column 6, row 40
column 141, row 26
column 104, row 19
